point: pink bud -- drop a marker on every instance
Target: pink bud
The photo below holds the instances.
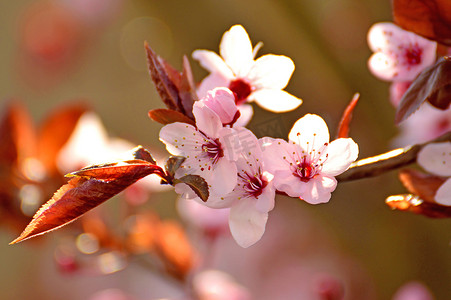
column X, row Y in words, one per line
column 222, row 102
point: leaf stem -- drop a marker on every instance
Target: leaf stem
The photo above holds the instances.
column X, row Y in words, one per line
column 382, row 163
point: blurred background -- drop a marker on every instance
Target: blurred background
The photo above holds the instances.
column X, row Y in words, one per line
column 57, row 51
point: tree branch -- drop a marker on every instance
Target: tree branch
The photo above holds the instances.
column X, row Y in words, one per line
column 382, row 163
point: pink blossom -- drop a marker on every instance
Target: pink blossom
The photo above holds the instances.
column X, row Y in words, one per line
column 261, row 80
column 436, row 159
column 222, row 102
column 306, row 165
column 207, row 150
column 413, row 291
column 218, row 285
column 253, row 196
column 399, row 55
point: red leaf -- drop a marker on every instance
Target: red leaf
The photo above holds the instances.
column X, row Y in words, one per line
column 187, row 88
column 414, row 204
column 56, row 131
column 164, row 85
column 91, row 187
column 168, row 116
column 429, row 18
column 343, row 126
column 433, row 85
column 421, row 184
column 17, row 136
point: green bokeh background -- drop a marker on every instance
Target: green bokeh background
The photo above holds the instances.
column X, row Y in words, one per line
column 326, row 40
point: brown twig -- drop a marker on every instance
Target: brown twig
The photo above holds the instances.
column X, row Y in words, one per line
column 382, row 163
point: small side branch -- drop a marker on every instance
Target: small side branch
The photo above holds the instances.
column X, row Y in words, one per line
column 382, row 163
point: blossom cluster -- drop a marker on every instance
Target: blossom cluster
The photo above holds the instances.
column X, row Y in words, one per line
column 400, row 56
column 243, row 172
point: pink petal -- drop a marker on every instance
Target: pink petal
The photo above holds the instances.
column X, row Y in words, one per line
column 273, row 152
column 236, row 49
column 224, row 177
column 207, row 120
column 310, row 132
column 286, row 182
column 202, row 216
column 265, row 202
column 210, row 82
column 436, row 158
column 247, row 224
column 271, row 72
column 275, row 100
column 341, row 153
column 443, row 194
column 222, row 102
column 319, row 189
column 172, row 135
column 212, row 62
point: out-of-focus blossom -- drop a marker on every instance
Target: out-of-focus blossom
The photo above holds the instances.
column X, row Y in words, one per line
column 261, row 80
column 222, row 102
column 90, row 144
column 425, row 124
column 413, row 291
column 207, row 148
column 306, row 166
column 436, row 159
column 399, row 55
column 397, row 90
column 210, row 221
column 93, row 12
column 217, row 285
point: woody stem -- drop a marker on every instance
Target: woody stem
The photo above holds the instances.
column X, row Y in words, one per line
column 382, row 163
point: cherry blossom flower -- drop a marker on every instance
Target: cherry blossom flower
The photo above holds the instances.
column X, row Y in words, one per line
column 397, row 90
column 306, row 165
column 436, row 159
column 399, row 55
column 261, row 80
column 253, row 196
column 207, row 148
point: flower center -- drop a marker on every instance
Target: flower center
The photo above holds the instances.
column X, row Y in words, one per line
column 305, row 171
column 413, row 55
column 213, row 150
column 241, row 89
column 253, row 185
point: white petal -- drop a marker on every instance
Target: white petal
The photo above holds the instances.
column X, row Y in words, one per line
column 341, row 153
column 207, row 120
column 383, row 36
column 247, row 224
column 385, row 67
column 210, row 82
column 275, row 100
column 236, row 49
column 319, row 189
column 310, row 132
column 246, row 113
column 179, row 137
column 436, row 158
column 212, row 62
column 271, row 72
column 443, row 194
